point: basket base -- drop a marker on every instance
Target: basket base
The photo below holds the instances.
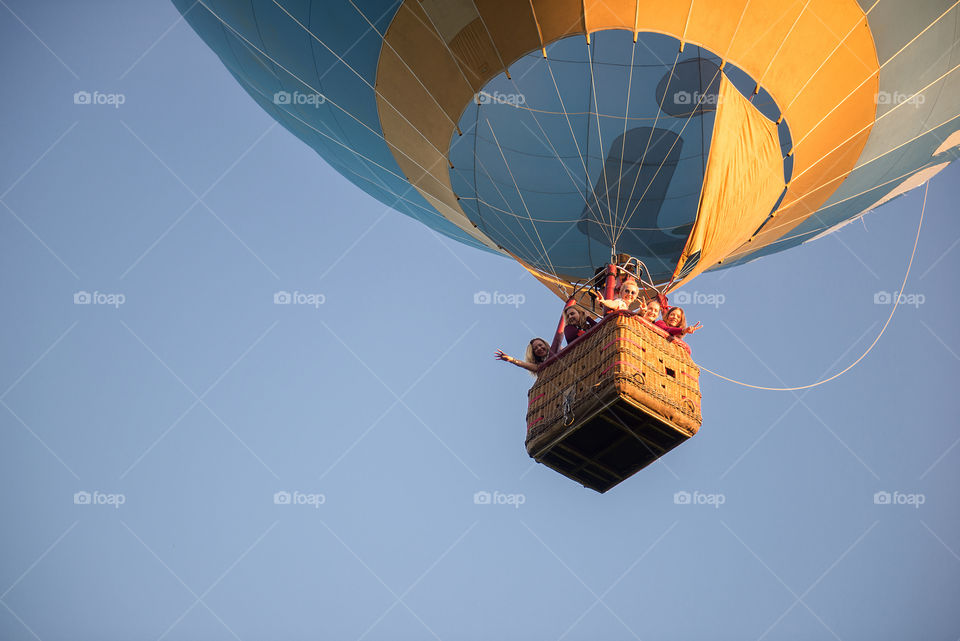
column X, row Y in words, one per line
column 613, row 443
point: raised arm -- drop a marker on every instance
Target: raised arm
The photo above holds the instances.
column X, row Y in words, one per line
column 500, row 356
column 615, row 304
column 693, row 328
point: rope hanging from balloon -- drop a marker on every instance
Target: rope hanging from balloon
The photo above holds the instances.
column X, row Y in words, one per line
column 872, row 345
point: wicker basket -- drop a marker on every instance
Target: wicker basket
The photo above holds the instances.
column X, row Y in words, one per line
column 613, row 402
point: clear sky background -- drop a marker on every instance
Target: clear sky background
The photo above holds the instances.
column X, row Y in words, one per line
column 197, row 399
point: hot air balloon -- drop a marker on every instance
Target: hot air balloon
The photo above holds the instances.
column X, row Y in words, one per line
column 690, row 136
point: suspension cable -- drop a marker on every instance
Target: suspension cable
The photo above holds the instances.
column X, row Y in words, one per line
column 875, row 341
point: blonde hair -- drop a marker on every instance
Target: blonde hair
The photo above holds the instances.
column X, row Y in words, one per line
column 581, row 314
column 529, row 355
column 629, row 280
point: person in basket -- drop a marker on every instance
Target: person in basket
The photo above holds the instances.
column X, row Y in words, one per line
column 626, row 296
column 537, row 352
column 674, row 323
column 578, row 322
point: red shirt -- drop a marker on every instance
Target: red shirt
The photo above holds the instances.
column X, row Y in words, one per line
column 572, row 332
column 675, row 332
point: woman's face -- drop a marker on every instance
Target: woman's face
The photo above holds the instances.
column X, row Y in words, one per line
column 653, row 310
column 629, row 292
column 540, row 348
column 674, row 317
column 573, row 316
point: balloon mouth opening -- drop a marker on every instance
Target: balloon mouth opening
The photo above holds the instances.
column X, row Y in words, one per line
column 589, row 150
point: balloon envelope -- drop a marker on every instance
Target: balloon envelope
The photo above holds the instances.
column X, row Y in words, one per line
column 693, row 136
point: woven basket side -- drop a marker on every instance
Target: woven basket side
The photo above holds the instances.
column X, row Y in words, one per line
column 624, row 356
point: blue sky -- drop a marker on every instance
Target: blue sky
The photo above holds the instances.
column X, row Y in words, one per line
column 196, row 399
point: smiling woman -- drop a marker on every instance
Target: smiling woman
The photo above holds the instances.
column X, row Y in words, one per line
column 686, row 136
column 612, row 403
column 536, row 353
column 204, row 436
